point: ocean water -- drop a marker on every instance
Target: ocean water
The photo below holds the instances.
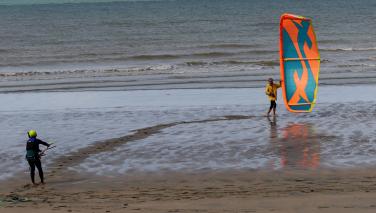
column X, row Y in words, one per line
column 32, row 2
column 61, row 43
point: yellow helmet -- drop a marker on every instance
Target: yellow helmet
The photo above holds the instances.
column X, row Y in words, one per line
column 32, row 133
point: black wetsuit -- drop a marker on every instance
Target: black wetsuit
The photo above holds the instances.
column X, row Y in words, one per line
column 32, row 146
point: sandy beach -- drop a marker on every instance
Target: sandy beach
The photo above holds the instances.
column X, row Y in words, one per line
column 351, row 190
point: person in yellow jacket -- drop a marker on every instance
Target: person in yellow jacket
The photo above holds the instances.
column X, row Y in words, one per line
column 271, row 92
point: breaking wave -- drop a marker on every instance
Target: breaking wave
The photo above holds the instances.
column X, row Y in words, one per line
column 265, row 63
column 348, row 49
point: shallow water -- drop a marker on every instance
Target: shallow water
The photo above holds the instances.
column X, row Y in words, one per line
column 338, row 136
column 76, row 119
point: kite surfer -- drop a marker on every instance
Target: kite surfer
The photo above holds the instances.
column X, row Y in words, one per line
column 33, row 155
column 271, row 92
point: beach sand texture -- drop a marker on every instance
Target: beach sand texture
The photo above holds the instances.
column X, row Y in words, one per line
column 339, row 191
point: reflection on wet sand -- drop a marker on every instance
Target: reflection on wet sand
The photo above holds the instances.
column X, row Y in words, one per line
column 273, row 128
column 298, row 145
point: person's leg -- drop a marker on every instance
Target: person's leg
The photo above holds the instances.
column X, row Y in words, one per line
column 40, row 170
column 32, row 170
column 270, row 108
column 274, row 107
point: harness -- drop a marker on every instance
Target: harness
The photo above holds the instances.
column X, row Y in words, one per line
column 31, row 153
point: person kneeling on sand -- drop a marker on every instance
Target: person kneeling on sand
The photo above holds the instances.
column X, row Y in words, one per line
column 271, row 92
column 33, row 155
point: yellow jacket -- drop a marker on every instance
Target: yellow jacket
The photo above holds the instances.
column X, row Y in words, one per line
column 271, row 91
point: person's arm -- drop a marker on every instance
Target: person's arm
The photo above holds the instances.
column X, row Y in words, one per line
column 43, row 143
column 267, row 90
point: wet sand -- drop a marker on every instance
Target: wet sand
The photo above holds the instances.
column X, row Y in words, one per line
column 287, row 190
column 226, row 191
column 337, row 133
